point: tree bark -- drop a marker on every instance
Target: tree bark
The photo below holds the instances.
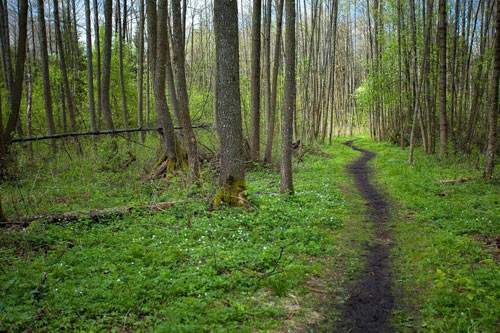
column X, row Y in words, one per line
column 98, row 64
column 106, row 73
column 44, row 57
column 183, row 99
column 255, row 83
column 232, row 174
column 90, row 67
column 493, row 116
column 120, row 65
column 290, row 100
column 443, row 131
column 140, row 74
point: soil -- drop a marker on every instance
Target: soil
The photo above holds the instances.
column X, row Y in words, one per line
column 371, row 300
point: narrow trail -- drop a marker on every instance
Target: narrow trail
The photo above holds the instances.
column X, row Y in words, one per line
column 371, row 300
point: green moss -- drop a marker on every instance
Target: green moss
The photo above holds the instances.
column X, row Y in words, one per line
column 231, row 193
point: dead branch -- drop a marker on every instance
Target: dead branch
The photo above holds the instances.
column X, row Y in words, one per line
column 108, row 132
column 94, row 214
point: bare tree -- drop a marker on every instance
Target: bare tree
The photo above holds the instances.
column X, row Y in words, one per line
column 140, row 73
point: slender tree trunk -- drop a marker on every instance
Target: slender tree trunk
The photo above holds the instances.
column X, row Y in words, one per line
column 290, row 100
column 120, row 66
column 98, row 64
column 443, row 131
column 183, row 99
column 255, row 83
column 47, row 94
column 400, row 106
column 232, row 174
column 267, row 62
column 140, row 74
column 493, row 117
column 271, row 116
column 106, row 73
column 90, row 69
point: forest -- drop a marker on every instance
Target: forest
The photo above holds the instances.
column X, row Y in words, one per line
column 237, row 165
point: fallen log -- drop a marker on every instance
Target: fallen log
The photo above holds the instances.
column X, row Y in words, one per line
column 108, row 132
column 454, row 181
column 94, row 214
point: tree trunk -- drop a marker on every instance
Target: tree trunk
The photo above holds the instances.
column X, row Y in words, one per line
column 90, row 68
column 44, row 57
column 232, row 174
column 290, row 100
column 183, row 99
column 120, row 65
column 106, row 73
column 160, row 35
column 493, row 117
column 255, row 83
column 140, row 74
column 98, row 64
column 62, row 65
column 443, row 131
column 267, row 65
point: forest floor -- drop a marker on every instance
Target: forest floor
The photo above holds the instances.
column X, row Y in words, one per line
column 300, row 263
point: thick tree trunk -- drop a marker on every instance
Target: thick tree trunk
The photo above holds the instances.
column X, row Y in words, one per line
column 44, row 57
column 290, row 100
column 106, row 73
column 493, row 117
column 232, row 174
column 183, row 99
column 443, row 131
column 255, row 83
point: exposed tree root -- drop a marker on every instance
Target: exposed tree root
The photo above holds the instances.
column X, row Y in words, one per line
column 94, row 214
column 230, row 193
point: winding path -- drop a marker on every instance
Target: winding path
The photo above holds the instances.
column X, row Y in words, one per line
column 371, row 300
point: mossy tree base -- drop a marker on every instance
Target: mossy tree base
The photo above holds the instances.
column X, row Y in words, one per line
column 166, row 165
column 231, row 193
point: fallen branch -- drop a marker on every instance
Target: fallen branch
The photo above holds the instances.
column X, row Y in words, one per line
column 108, row 132
column 454, row 181
column 94, row 214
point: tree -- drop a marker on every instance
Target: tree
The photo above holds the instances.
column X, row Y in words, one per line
column 64, row 72
column 120, row 65
column 232, row 174
column 140, row 71
column 493, row 117
column 106, row 72
column 44, row 57
column 98, row 64
column 443, row 131
column 90, row 70
column 158, row 37
column 290, row 100
column 271, row 114
column 15, row 79
column 183, row 100
column 255, row 83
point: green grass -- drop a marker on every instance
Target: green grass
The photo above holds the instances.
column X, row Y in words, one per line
column 187, row 268
column 450, row 280
column 191, row 269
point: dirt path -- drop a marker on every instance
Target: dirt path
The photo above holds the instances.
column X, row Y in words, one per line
column 371, row 301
